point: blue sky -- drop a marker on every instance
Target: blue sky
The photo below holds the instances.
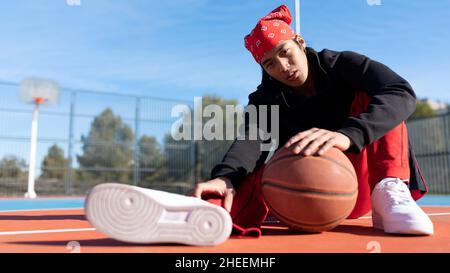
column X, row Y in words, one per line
column 186, row 48
column 179, row 49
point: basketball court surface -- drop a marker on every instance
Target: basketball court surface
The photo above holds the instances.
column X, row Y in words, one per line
column 60, row 226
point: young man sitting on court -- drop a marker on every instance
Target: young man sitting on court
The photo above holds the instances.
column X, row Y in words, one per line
column 327, row 99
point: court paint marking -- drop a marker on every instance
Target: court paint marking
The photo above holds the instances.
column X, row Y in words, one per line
column 8, row 233
column 429, row 214
column 25, row 210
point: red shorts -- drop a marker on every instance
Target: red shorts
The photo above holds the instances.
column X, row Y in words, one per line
column 386, row 157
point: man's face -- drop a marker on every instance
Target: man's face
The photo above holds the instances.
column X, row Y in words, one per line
column 286, row 63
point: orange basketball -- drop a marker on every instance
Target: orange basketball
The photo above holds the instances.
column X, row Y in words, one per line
column 310, row 193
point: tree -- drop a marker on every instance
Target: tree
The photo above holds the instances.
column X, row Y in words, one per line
column 12, row 167
column 178, row 159
column 187, row 159
column 107, row 150
column 151, row 159
column 211, row 152
column 54, row 163
column 423, row 110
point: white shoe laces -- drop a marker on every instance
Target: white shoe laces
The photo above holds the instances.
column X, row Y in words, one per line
column 396, row 192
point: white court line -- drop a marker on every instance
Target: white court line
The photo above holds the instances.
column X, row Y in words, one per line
column 7, row 233
column 438, row 214
column 20, row 210
column 429, row 214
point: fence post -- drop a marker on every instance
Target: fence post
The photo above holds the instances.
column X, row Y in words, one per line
column 69, row 150
column 136, row 150
column 446, row 168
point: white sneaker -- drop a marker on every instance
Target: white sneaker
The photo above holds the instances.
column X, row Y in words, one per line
column 395, row 211
column 137, row 215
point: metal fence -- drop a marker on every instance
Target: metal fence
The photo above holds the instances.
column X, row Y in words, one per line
column 97, row 137
column 430, row 138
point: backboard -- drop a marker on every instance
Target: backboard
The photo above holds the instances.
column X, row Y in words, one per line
column 39, row 91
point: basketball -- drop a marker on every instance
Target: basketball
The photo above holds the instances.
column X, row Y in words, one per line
column 310, row 193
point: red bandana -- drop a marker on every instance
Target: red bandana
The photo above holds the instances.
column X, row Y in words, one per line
column 269, row 32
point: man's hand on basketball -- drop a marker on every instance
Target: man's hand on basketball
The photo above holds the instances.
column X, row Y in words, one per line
column 318, row 141
column 219, row 186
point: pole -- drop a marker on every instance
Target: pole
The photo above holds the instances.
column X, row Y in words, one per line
column 137, row 150
column 297, row 16
column 32, row 166
column 70, row 148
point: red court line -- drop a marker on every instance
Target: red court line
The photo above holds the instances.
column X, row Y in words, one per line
column 352, row 236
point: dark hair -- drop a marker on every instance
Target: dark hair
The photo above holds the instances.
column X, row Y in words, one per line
column 302, row 47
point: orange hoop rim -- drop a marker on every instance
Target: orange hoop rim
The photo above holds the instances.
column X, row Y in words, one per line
column 39, row 100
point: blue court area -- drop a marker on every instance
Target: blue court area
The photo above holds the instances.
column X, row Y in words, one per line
column 435, row 200
column 75, row 203
column 41, row 204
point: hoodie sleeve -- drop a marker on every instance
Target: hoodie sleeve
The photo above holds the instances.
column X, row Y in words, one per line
column 245, row 155
column 392, row 98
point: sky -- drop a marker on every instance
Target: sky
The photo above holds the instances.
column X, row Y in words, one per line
column 186, row 48
column 180, row 49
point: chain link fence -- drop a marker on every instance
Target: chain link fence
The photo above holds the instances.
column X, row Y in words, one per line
column 97, row 137
column 430, row 138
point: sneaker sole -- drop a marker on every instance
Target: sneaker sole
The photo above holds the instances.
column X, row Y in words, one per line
column 127, row 214
column 393, row 227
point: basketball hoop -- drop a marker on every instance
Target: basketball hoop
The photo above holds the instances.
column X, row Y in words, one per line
column 37, row 92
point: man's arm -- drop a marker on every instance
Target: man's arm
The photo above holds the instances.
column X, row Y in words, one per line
column 393, row 99
column 244, row 156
